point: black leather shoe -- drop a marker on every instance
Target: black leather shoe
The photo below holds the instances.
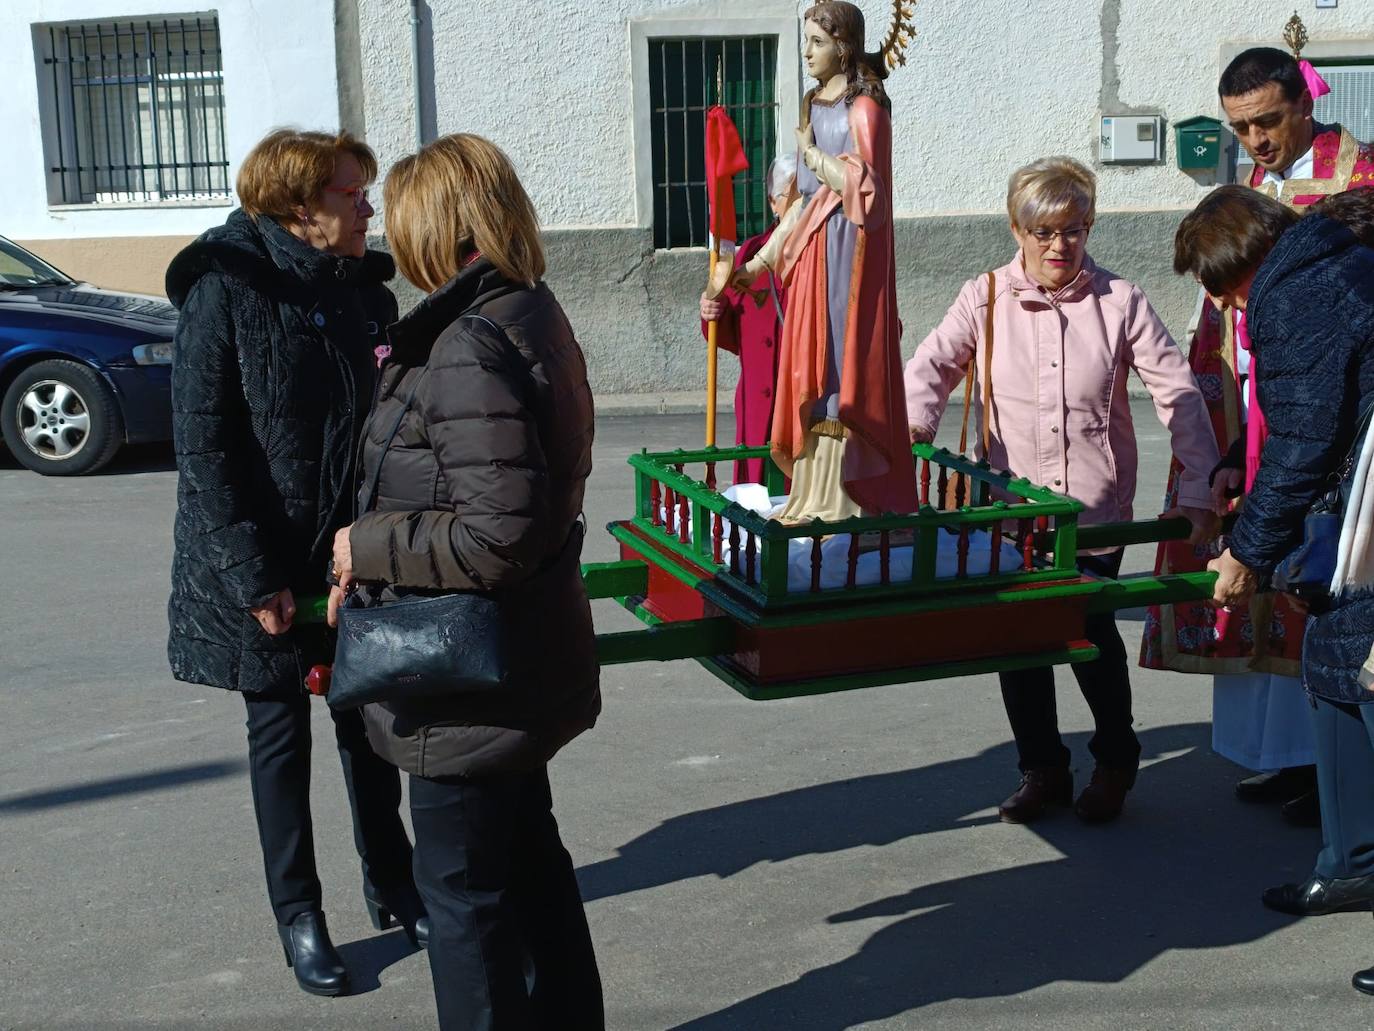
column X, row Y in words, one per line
column 1318, row 896
column 1039, row 790
column 309, row 952
column 1279, row 786
column 1303, row 811
column 1105, row 794
column 415, row 928
column 1364, row 981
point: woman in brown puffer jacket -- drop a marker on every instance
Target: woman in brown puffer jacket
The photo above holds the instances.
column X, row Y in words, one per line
column 481, row 489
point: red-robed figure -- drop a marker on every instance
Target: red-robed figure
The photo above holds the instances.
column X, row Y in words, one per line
column 749, row 324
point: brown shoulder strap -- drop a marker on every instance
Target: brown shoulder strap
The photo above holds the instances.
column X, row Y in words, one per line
column 987, row 365
column 968, row 399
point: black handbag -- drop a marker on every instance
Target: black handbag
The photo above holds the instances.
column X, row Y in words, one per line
column 420, row 647
column 1308, row 569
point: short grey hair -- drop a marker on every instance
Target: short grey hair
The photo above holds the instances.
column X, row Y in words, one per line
column 1051, row 188
column 781, row 173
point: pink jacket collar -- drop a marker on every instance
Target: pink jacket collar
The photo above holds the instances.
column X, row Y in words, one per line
column 1027, row 290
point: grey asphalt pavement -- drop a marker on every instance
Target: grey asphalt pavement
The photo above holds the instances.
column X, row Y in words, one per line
column 820, row 863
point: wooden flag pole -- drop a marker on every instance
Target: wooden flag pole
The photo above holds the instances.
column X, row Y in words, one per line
column 711, row 363
column 711, row 326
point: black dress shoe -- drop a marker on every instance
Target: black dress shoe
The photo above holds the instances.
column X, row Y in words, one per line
column 1303, row 811
column 309, row 952
column 1279, row 786
column 1039, row 790
column 1364, row 981
column 1318, row 896
column 1105, row 794
column 416, row 928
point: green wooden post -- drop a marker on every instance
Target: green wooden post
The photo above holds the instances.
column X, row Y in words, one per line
column 701, row 531
column 773, row 478
column 1066, row 542
column 923, row 564
column 642, row 504
column 774, row 566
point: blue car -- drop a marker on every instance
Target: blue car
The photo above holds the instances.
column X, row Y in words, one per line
column 83, row 371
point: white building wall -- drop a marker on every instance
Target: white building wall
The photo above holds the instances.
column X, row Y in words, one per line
column 989, row 86
column 279, row 69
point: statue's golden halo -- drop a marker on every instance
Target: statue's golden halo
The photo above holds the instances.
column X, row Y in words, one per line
column 900, row 34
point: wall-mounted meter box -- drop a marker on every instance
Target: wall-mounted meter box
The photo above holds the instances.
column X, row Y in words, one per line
column 1130, row 138
column 1199, row 143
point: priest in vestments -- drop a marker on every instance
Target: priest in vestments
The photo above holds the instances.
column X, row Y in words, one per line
column 1260, row 717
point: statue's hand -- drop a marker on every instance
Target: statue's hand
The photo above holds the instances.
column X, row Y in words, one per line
column 806, row 137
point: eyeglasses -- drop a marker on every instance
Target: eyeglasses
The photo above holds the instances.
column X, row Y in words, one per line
column 1045, row 237
column 358, row 194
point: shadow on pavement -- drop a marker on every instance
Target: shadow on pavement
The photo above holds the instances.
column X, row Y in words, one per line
column 1182, row 869
column 367, row 958
column 136, row 784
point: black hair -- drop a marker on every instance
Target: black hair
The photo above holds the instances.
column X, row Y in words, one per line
column 1256, row 68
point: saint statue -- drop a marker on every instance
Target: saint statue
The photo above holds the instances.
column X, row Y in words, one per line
column 839, row 418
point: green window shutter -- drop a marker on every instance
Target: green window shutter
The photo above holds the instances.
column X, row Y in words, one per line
column 682, row 84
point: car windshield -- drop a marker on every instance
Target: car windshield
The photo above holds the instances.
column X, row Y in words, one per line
column 19, row 268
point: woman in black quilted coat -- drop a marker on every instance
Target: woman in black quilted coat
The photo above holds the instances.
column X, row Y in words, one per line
column 481, row 488
column 281, row 309
column 1307, row 288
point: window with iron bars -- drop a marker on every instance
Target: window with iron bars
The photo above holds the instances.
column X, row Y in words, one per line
column 682, row 84
column 137, row 110
column 1351, row 100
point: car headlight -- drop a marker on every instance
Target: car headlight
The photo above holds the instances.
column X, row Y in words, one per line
column 154, row 354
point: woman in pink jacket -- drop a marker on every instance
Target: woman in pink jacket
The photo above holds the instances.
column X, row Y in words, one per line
column 1065, row 335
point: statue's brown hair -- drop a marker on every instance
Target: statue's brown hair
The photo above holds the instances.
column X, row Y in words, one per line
column 865, row 71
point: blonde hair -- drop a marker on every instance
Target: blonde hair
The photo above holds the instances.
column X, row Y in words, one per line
column 289, row 168
column 1050, row 188
column 456, row 196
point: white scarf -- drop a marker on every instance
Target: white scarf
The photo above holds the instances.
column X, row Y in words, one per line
column 1355, row 552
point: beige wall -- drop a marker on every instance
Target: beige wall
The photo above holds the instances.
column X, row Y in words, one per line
column 136, row 263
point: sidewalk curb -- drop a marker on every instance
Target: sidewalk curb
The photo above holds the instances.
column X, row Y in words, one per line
column 693, row 402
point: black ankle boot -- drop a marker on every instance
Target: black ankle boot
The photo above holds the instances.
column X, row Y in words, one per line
column 309, row 952
column 416, row 928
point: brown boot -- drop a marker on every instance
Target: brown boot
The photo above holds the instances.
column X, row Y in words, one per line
column 1105, row 794
column 1039, row 790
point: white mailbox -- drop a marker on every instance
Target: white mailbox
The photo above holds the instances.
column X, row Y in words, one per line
column 1131, row 138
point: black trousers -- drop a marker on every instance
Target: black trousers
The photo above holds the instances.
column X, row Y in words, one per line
column 1345, row 783
column 509, row 946
column 279, row 768
column 1028, row 695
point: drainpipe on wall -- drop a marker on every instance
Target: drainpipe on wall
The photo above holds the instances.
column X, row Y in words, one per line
column 415, row 71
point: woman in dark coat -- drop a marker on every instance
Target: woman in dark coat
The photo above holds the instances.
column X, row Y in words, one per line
column 280, row 310
column 481, row 488
column 1307, row 288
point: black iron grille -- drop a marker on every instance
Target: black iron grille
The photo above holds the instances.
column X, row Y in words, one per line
column 137, row 110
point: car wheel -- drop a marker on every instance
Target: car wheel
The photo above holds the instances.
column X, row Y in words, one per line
column 61, row 419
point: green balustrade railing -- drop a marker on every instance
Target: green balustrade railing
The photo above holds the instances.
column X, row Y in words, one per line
column 679, row 507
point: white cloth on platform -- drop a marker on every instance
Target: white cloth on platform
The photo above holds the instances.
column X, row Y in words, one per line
column 835, row 550
column 1262, row 721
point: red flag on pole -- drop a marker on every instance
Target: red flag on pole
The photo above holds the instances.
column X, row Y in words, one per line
column 724, row 159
